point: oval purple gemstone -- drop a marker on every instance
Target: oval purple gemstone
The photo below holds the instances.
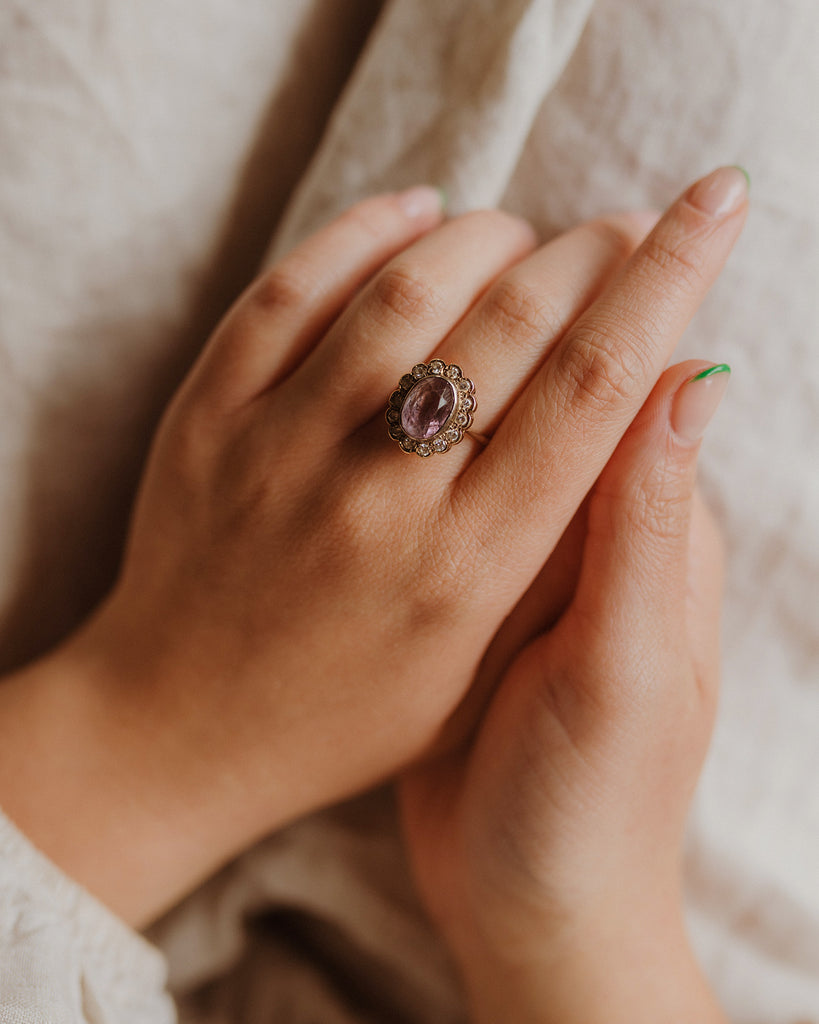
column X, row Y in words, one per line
column 427, row 407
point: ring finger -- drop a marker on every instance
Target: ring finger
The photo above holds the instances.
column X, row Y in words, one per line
column 402, row 314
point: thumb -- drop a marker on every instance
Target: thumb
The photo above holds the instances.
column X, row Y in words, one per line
column 635, row 578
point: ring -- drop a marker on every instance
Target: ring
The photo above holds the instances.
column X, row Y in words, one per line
column 431, row 409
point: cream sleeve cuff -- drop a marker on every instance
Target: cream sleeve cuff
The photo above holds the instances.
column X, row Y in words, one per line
column 64, row 957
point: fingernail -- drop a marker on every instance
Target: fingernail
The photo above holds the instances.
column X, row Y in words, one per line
column 720, row 192
column 423, row 201
column 697, row 401
column 742, row 170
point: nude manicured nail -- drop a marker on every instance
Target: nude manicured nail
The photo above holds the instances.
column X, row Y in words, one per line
column 422, row 201
column 720, row 192
column 697, row 401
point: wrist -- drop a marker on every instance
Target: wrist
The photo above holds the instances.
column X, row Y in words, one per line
column 609, row 973
column 99, row 770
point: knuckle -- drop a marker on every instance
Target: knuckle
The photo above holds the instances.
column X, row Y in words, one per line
column 614, row 235
column 600, row 370
column 681, row 260
column 287, row 286
column 518, row 310
column 660, row 507
column 400, row 293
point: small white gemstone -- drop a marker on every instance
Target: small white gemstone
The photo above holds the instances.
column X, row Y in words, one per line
column 419, row 371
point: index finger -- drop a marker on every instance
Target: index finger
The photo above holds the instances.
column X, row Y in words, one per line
column 556, row 439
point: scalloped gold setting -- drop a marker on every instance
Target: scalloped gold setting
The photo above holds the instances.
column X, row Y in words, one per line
column 457, row 422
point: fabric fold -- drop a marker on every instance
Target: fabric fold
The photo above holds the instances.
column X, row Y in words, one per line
column 491, row 62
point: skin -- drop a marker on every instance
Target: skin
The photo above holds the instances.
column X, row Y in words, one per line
column 548, row 848
column 303, row 610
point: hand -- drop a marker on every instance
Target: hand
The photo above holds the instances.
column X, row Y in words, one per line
column 301, row 604
column 548, row 850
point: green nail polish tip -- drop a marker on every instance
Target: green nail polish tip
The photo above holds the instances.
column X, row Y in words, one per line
column 711, row 371
column 738, row 167
column 442, row 192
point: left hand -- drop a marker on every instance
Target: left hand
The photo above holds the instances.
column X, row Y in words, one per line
column 301, row 605
column 548, row 849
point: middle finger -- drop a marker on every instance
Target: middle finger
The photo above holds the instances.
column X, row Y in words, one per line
column 511, row 330
column 560, row 433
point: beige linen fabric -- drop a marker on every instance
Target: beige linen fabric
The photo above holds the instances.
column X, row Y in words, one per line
column 146, row 154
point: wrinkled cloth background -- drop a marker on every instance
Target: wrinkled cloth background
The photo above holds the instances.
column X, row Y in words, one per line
column 151, row 154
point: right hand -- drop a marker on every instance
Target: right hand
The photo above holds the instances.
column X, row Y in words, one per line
column 302, row 605
column 548, row 849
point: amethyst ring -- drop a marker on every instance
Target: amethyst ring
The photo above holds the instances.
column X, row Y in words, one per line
column 431, row 409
